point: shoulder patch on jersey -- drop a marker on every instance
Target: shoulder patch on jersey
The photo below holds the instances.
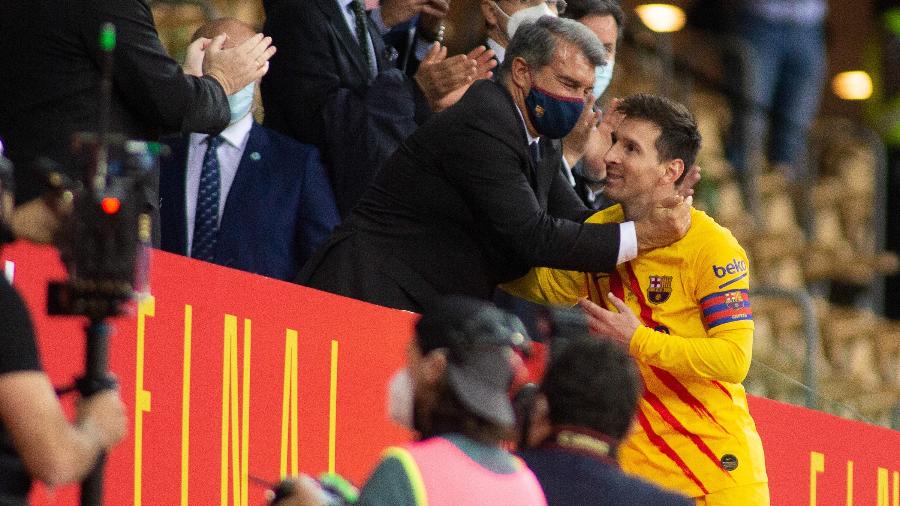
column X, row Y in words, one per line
column 659, row 289
column 725, row 307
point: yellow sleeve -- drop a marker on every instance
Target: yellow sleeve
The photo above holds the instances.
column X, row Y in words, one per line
column 553, row 286
column 721, row 281
column 549, row 286
column 723, row 356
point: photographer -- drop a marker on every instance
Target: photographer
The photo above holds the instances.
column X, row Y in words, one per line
column 453, row 392
column 36, row 439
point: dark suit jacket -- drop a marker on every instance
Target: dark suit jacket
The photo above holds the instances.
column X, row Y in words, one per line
column 459, row 208
column 575, row 479
column 50, row 63
column 278, row 211
column 319, row 92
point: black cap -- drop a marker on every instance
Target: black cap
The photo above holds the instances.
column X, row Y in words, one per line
column 478, row 338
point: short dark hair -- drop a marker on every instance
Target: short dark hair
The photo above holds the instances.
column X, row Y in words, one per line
column 536, row 43
column 594, row 384
column 579, row 9
column 679, row 137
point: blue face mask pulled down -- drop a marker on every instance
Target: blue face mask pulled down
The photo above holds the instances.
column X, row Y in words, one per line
column 602, row 77
column 552, row 116
column 241, row 102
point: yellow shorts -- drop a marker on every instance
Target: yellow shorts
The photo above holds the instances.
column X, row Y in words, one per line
column 756, row 494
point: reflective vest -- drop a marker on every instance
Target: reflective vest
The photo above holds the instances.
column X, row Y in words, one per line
column 443, row 475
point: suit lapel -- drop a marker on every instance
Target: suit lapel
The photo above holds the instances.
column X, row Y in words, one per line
column 247, row 180
column 346, row 38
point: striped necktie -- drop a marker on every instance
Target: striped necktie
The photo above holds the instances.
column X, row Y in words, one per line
column 206, row 221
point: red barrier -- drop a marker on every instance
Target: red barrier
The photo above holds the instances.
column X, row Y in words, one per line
column 229, row 375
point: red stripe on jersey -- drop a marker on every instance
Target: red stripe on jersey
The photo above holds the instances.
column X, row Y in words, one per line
column 615, row 285
column 684, row 394
column 667, row 450
column 669, row 418
column 646, row 310
column 722, row 388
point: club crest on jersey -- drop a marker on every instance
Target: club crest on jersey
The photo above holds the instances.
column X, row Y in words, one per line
column 660, row 289
column 734, row 300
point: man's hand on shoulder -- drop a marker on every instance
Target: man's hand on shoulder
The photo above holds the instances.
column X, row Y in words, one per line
column 667, row 223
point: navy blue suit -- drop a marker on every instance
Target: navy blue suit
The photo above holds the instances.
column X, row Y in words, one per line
column 279, row 209
column 572, row 478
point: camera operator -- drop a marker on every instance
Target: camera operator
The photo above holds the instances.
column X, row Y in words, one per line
column 37, row 441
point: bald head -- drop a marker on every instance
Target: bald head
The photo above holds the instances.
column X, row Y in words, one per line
column 237, row 31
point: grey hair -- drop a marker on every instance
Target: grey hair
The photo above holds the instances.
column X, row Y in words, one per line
column 536, row 42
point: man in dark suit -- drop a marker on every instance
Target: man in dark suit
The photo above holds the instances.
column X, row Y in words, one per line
column 462, row 206
column 248, row 198
column 336, row 86
column 51, row 64
column 586, row 405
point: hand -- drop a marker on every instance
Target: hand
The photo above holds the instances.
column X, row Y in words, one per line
column 300, row 491
column 575, row 144
column 667, row 223
column 433, row 14
column 444, row 80
column 686, row 188
column 103, row 414
column 394, row 12
column 38, row 219
column 193, row 60
column 606, row 324
column 611, row 119
column 239, row 66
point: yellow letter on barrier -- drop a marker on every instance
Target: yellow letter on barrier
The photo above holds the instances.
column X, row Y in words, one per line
column 186, row 403
column 884, row 496
column 240, row 455
column 289, row 406
column 816, row 466
column 147, row 307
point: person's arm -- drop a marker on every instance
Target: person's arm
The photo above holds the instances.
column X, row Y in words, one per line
column 53, row 450
column 725, row 351
column 489, row 172
column 389, row 484
column 150, row 82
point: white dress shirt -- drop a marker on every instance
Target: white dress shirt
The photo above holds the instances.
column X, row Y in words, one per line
column 628, row 245
column 229, row 153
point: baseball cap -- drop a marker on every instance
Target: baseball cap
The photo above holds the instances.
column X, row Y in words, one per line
column 478, row 338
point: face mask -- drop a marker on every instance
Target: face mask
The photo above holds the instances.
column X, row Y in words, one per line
column 523, row 16
column 400, row 399
column 552, row 116
column 240, row 102
column 602, row 77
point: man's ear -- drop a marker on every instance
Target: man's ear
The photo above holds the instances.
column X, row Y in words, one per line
column 487, row 10
column 674, row 169
column 434, row 364
column 521, row 74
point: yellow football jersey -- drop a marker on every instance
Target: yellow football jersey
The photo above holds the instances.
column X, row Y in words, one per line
column 694, row 432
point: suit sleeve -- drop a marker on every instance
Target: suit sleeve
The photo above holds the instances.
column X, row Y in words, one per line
column 150, row 81
column 490, row 173
column 564, row 202
column 722, row 293
column 356, row 125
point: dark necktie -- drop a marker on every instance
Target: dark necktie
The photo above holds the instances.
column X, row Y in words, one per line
column 206, row 221
column 535, row 150
column 362, row 34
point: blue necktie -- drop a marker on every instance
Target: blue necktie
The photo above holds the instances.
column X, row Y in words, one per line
column 206, row 221
column 362, row 35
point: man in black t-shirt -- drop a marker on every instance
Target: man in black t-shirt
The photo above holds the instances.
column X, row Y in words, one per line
column 36, row 439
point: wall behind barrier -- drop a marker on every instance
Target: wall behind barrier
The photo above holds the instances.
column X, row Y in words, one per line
column 230, row 377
